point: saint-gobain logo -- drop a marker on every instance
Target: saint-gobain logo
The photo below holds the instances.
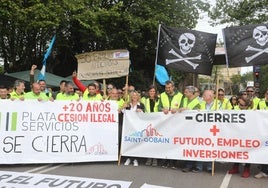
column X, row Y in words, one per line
column 150, row 135
column 148, row 132
column 97, row 149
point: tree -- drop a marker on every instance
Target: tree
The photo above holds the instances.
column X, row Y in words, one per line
column 240, row 12
column 263, row 79
column 132, row 25
column 26, row 26
column 86, row 25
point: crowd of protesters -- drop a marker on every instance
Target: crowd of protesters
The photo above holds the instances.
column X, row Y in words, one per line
column 128, row 98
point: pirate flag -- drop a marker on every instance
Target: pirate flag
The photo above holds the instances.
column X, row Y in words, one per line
column 246, row 45
column 186, row 50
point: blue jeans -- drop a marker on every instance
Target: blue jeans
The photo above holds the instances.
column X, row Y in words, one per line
column 198, row 164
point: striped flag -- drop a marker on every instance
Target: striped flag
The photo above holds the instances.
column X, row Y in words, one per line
column 42, row 74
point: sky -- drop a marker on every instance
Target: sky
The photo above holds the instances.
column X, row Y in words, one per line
column 203, row 25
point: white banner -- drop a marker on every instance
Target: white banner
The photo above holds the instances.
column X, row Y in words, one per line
column 231, row 136
column 103, row 64
column 27, row 180
column 152, row 186
column 58, row 132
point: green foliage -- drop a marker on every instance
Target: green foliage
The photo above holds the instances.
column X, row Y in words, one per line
column 247, row 76
column 240, row 12
column 26, row 27
column 242, row 79
column 1, row 69
column 236, row 79
column 263, row 79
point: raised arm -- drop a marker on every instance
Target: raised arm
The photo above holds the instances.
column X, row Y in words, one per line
column 78, row 83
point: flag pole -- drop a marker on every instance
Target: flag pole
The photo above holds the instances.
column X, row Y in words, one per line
column 42, row 73
column 156, row 55
column 226, row 59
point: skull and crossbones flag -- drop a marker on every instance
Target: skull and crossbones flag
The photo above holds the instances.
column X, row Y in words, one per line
column 246, row 45
column 186, row 50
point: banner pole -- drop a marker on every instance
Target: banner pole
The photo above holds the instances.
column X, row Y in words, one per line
column 213, row 168
column 126, row 89
column 119, row 158
column 228, row 76
column 217, row 88
column 104, row 89
column 216, row 106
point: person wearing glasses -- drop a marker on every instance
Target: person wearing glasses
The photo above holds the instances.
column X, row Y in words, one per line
column 251, row 95
column 243, row 104
column 110, row 87
column 127, row 90
column 242, row 94
column 223, row 101
column 209, row 104
column 233, row 101
column 190, row 102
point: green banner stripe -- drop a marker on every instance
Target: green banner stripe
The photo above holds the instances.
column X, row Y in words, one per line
column 14, row 121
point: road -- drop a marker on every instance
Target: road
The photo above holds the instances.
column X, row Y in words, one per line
column 142, row 174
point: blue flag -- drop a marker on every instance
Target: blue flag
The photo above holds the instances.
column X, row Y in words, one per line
column 161, row 74
column 42, row 74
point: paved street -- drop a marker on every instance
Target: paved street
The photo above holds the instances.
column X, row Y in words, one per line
column 143, row 174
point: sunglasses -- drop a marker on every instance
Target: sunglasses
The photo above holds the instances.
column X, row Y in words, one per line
column 250, row 91
column 220, row 94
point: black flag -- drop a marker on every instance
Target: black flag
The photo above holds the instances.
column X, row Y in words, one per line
column 246, row 45
column 186, row 50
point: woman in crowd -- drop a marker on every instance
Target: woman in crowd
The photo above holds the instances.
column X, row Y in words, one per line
column 136, row 106
column 243, row 104
column 233, row 101
column 151, row 105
